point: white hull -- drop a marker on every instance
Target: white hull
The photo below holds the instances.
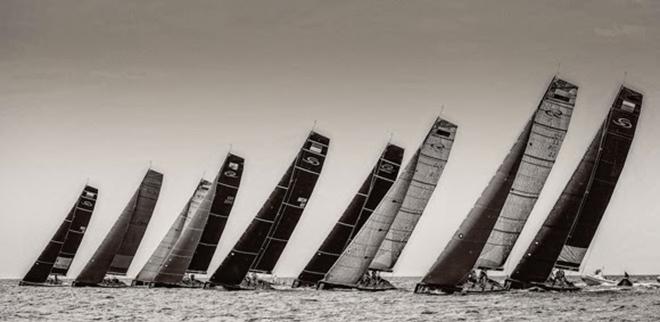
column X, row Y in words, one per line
column 594, row 280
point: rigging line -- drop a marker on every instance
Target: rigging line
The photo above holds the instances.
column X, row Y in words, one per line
column 558, row 68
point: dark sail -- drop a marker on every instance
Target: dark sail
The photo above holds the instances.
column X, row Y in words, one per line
column 174, row 266
column 225, row 194
column 461, row 254
column 262, row 243
column 371, row 192
column 116, row 252
column 573, row 221
column 539, row 259
column 57, row 256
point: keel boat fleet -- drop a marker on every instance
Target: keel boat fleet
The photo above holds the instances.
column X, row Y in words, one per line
column 375, row 227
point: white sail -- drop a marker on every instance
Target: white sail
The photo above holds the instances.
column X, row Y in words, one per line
column 433, row 156
column 355, row 260
column 550, row 123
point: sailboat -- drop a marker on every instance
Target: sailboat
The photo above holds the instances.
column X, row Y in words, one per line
column 169, row 263
column 564, row 238
column 56, row 258
column 406, row 200
column 502, row 210
column 372, row 191
column 151, row 269
column 264, row 240
column 116, row 252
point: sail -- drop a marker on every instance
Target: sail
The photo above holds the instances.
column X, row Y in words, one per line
column 463, row 250
column 57, row 256
column 356, row 258
column 174, row 266
column 432, row 160
column 371, row 192
column 153, row 265
column 549, row 128
column 225, row 194
column 116, row 252
column 539, row 259
column 617, row 139
column 263, row 241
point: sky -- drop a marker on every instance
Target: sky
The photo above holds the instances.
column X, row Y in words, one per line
column 96, row 91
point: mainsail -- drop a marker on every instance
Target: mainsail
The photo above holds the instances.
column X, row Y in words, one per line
column 566, row 234
column 158, row 257
column 543, row 144
column 175, row 265
column 117, row 250
column 56, row 258
column 423, row 168
column 263, row 241
column 223, row 202
column 430, row 164
column 371, row 192
column 460, row 255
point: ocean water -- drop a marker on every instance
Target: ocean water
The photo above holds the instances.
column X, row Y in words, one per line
column 641, row 303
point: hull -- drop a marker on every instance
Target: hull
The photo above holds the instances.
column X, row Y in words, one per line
column 593, row 280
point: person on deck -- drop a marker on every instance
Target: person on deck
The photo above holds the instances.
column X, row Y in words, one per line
column 625, row 281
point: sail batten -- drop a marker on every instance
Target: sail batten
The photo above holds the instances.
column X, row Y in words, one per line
column 57, row 256
column 116, row 252
column 485, row 238
column 371, row 192
column 357, row 257
column 256, row 250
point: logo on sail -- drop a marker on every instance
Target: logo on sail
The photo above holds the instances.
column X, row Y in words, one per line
column 230, row 174
column 229, row 200
column 87, row 203
column 556, row 113
column 438, row 147
column 233, row 166
column 623, row 122
column 311, row 160
column 82, row 229
column 387, row 168
column 302, row 201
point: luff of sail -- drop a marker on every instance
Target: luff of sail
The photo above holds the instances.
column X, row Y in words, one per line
column 452, row 266
column 263, row 241
column 545, row 139
column 358, row 255
column 618, row 136
column 372, row 191
column 175, row 265
column 433, row 157
column 54, row 259
column 116, row 252
column 223, row 202
column 155, row 261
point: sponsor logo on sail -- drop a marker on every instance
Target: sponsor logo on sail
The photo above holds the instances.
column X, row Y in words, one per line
column 229, row 200
column 230, row 174
column 315, row 147
column 302, row 201
column 556, row 113
column 438, row 146
column 233, row 166
column 87, row 203
column 623, row 122
column 387, row 168
column 311, row 160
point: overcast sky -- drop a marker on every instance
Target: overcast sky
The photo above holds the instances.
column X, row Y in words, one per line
column 99, row 89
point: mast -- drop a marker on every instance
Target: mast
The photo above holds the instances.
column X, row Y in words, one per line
column 153, row 265
column 263, row 241
column 117, row 250
column 463, row 250
column 56, row 258
column 433, row 156
column 372, row 191
column 355, row 260
column 573, row 221
column 223, row 202
column 174, row 266
column 545, row 139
